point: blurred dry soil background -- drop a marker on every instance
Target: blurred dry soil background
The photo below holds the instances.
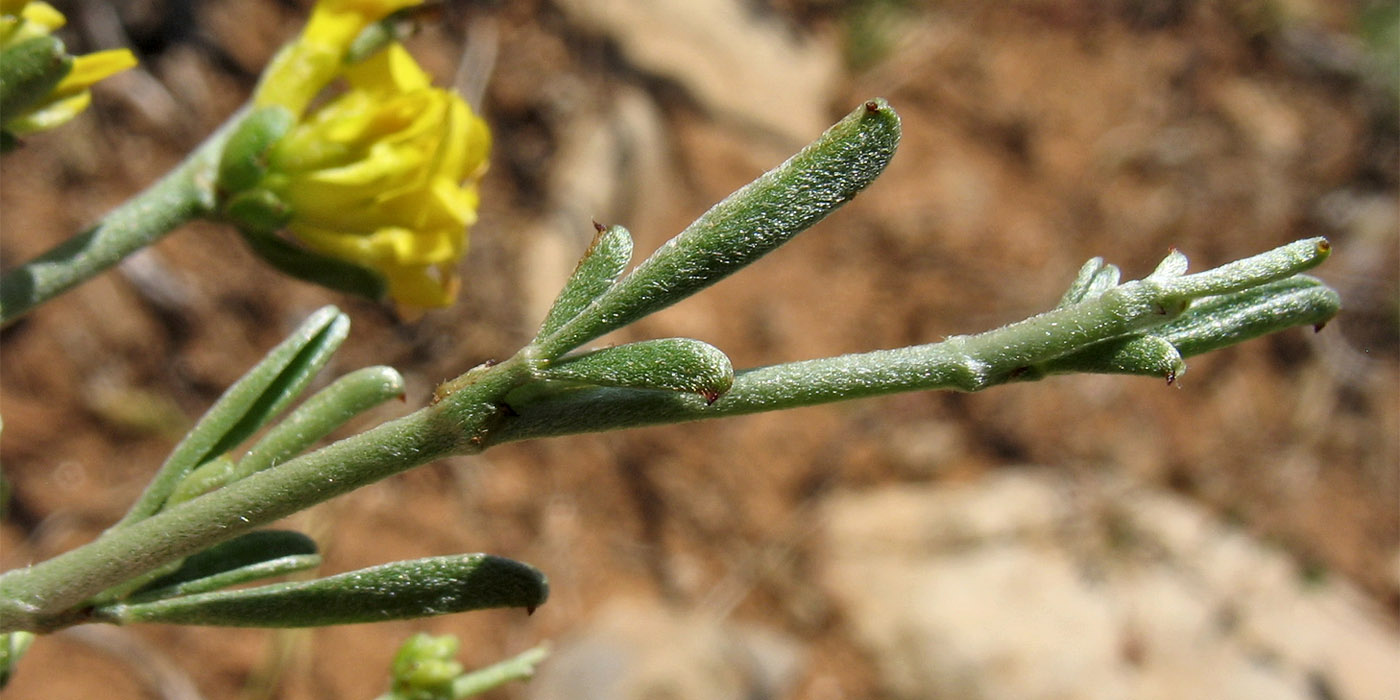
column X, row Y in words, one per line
column 1236, row 535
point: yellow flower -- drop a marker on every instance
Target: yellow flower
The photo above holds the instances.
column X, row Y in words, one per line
column 307, row 65
column 21, row 20
column 384, row 176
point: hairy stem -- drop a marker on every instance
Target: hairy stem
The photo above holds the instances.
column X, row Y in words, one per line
column 184, row 194
column 510, row 401
column 1021, row 351
column 36, row 598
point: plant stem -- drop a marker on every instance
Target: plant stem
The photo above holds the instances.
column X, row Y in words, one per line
column 778, row 387
column 1021, row 351
column 35, row 598
column 474, row 415
column 185, row 193
column 520, row 667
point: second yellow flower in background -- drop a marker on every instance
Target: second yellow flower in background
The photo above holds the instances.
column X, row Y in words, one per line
column 24, row 23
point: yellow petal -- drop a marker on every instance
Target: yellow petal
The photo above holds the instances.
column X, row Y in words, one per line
column 93, row 67
column 391, row 70
column 42, row 14
column 296, row 74
column 369, row 8
column 50, row 115
column 304, row 67
column 23, row 21
column 424, row 287
column 385, row 248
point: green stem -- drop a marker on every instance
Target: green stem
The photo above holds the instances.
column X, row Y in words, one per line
column 184, row 194
column 473, row 414
column 36, row 598
column 944, row 365
column 1021, row 351
column 520, row 667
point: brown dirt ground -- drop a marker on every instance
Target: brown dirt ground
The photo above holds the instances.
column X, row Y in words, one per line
column 1037, row 134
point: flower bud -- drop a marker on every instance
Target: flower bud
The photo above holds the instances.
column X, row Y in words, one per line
column 52, row 88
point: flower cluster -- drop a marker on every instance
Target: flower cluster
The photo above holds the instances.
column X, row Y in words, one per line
column 24, row 21
column 384, row 174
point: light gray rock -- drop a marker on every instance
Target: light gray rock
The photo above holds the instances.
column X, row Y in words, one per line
column 741, row 65
column 634, row 650
column 1028, row 586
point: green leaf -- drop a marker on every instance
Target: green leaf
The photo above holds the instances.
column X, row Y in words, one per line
column 671, row 364
column 1209, row 323
column 254, row 399
column 12, row 648
column 1192, row 313
column 253, row 556
column 378, row 35
column 397, row 591
column 1279, row 263
column 1174, row 265
column 1093, row 280
column 1146, row 355
column 1220, row 321
column 748, row 224
column 328, row 409
column 202, row 479
column 244, row 160
column 308, row 266
column 596, row 272
column 29, row 71
column 256, row 212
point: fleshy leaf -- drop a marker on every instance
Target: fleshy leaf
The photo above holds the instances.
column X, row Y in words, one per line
column 253, row 556
column 1093, row 280
column 328, row 409
column 1147, row 355
column 204, row 478
column 596, row 272
column 672, row 364
column 1220, row 321
column 747, row 225
column 12, row 648
column 246, row 406
column 1174, row 265
column 397, row 591
column 1257, row 270
column 323, row 270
